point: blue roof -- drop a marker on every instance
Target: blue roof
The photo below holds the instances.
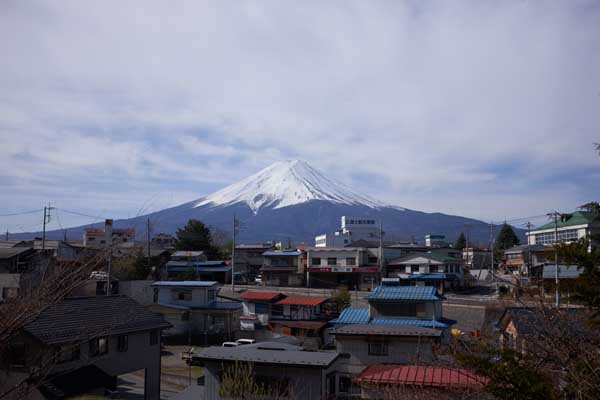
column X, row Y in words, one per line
column 360, row 315
column 385, row 292
column 353, row 315
column 448, row 277
column 425, row 323
column 282, row 253
column 185, row 283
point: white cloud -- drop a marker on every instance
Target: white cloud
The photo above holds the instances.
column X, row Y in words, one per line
column 439, row 99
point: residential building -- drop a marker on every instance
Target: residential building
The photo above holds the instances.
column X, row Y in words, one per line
column 249, row 259
column 195, row 313
column 368, row 344
column 163, row 241
column 284, row 370
column 353, row 267
column 570, row 227
column 283, row 267
column 194, row 265
column 352, row 229
column 474, row 258
column 20, row 268
column 435, row 241
column 390, row 304
column 259, row 307
column 102, row 237
column 523, row 258
column 441, row 268
column 412, row 381
column 92, row 341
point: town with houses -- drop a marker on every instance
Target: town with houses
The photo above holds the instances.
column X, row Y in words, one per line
column 350, row 316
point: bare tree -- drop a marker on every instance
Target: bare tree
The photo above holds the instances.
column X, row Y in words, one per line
column 57, row 283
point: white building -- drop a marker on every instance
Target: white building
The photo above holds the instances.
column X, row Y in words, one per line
column 570, row 227
column 352, row 229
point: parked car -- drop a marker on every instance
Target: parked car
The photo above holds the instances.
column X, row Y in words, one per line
column 230, row 344
column 245, row 341
column 258, row 279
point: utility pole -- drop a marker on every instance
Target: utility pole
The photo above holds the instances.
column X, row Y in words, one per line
column 7, row 235
column 492, row 251
column 46, row 220
column 148, row 244
column 233, row 254
column 381, row 271
column 555, row 215
column 528, row 269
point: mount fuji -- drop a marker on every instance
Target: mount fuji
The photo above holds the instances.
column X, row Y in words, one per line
column 291, row 200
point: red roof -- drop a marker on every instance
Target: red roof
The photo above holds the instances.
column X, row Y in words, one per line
column 265, row 296
column 303, row 300
column 420, row 375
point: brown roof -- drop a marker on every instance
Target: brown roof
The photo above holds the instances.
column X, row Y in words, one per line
column 420, row 375
column 303, row 300
column 265, row 296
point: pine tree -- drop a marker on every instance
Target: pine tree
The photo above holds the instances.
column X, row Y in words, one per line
column 196, row 236
column 505, row 240
column 461, row 242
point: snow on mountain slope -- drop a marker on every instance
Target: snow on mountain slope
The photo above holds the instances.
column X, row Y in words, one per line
column 286, row 183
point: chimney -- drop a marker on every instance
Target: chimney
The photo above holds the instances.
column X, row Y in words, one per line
column 108, row 230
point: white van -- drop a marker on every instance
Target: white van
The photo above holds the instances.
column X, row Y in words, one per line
column 245, row 341
column 230, row 344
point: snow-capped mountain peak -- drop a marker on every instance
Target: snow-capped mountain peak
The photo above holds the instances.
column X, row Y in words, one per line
column 283, row 184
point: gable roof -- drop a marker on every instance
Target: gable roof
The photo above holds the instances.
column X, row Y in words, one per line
column 81, row 318
column 385, row 292
column 255, row 295
column 353, row 315
column 420, row 375
column 282, row 355
column 386, row 330
column 303, row 300
column 576, row 218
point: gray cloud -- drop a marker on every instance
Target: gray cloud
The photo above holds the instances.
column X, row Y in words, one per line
column 467, row 107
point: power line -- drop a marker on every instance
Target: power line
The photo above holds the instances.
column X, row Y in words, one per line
column 22, row 213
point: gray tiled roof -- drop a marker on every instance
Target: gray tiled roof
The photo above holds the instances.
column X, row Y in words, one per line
column 254, row 354
column 386, row 330
column 81, row 318
column 10, row 252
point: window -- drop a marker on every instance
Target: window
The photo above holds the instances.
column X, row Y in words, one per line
column 122, row 343
column 350, row 261
column 414, row 268
column 219, row 321
column 211, row 295
column 99, row 346
column 183, row 294
column 316, row 261
column 17, row 354
column 345, row 383
column 373, row 260
column 407, row 309
column 563, row 236
column 331, row 261
column 378, row 349
column 68, row 352
column 153, row 337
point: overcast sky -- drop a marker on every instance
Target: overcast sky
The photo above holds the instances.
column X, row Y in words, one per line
column 485, row 109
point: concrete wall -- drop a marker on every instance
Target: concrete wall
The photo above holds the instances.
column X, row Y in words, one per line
column 140, row 291
column 400, row 350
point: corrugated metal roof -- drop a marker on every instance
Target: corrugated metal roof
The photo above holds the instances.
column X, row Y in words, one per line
column 385, row 292
column 280, row 253
column 255, row 354
column 420, row 375
column 425, row 323
column 353, row 315
column 185, row 283
column 386, row 330
column 254, row 295
column 303, row 300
